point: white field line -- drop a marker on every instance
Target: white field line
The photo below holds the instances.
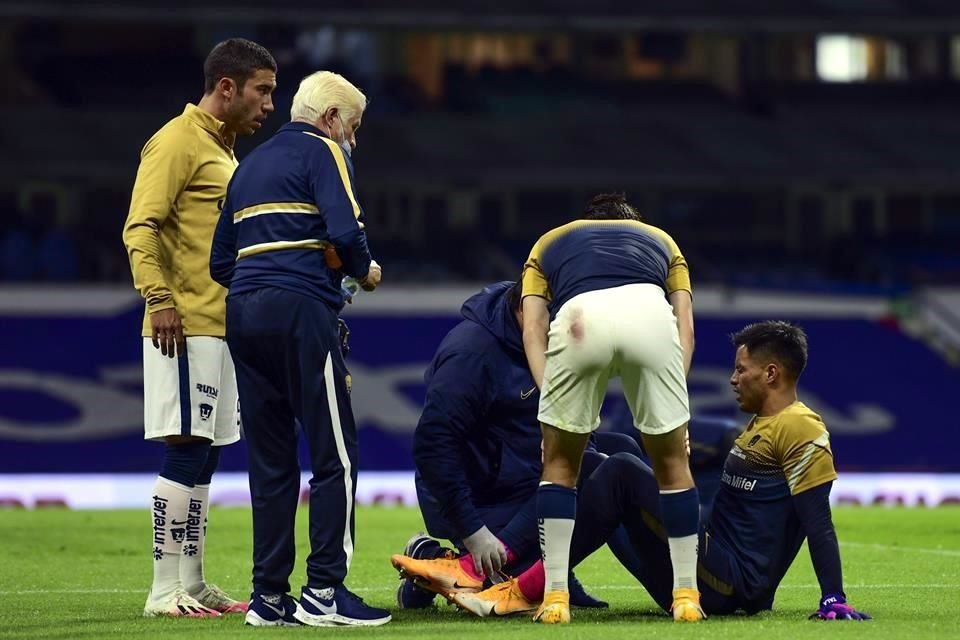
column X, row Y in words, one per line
column 605, row 587
column 955, row 553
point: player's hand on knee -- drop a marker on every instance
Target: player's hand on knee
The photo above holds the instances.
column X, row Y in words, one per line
column 372, row 279
column 168, row 332
column 835, row 607
column 489, row 554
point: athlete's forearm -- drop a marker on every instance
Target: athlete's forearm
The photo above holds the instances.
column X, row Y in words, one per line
column 354, row 252
column 813, row 507
column 536, row 324
column 682, row 304
column 687, row 343
column 142, row 241
column 437, row 448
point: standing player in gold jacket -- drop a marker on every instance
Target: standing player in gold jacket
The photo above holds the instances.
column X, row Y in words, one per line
column 190, row 392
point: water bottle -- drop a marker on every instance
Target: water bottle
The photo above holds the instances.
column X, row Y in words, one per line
column 349, row 286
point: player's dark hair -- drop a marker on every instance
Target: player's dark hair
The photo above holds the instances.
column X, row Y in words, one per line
column 781, row 341
column 610, row 206
column 237, row 59
column 514, row 295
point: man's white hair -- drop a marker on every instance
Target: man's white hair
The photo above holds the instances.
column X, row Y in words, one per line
column 323, row 90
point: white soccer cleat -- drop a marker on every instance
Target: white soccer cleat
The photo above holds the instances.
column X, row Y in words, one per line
column 178, row 604
column 213, row 597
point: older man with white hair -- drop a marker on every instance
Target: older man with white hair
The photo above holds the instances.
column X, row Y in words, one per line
column 289, row 232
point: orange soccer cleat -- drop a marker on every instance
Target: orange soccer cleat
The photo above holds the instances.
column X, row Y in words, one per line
column 502, row 599
column 443, row 575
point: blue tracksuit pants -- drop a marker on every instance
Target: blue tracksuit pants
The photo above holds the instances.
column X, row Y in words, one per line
column 290, row 371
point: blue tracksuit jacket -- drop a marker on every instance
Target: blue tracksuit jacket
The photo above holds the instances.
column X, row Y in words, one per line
column 477, row 443
column 291, row 219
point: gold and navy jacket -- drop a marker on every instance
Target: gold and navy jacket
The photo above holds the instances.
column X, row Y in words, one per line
column 291, row 219
column 182, row 179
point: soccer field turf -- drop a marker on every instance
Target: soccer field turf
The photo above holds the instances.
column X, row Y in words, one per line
column 69, row 574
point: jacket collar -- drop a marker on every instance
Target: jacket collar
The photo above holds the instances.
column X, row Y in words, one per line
column 208, row 122
column 298, row 125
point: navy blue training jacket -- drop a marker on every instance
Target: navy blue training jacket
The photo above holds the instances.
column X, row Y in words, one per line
column 478, row 440
column 290, row 205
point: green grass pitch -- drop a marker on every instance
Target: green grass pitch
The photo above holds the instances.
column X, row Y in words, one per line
column 67, row 574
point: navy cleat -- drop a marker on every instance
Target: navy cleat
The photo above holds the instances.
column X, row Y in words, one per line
column 271, row 610
column 410, row 596
column 337, row 607
column 580, row 598
column 421, row 547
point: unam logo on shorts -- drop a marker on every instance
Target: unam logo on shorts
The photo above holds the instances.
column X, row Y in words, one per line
column 205, row 411
column 208, row 390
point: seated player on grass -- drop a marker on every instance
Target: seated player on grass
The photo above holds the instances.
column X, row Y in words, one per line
column 774, row 494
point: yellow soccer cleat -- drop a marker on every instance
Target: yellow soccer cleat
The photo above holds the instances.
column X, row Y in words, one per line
column 443, row 576
column 502, row 599
column 686, row 606
column 555, row 608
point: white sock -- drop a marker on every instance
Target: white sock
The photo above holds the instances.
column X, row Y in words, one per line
column 191, row 558
column 556, row 513
column 169, row 507
column 683, row 556
column 555, row 536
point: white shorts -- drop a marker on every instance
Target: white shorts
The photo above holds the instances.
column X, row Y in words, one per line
column 191, row 395
column 630, row 332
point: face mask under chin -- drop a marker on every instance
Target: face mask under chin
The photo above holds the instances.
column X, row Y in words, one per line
column 344, row 143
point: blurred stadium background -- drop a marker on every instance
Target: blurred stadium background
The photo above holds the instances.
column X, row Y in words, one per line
column 803, row 154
